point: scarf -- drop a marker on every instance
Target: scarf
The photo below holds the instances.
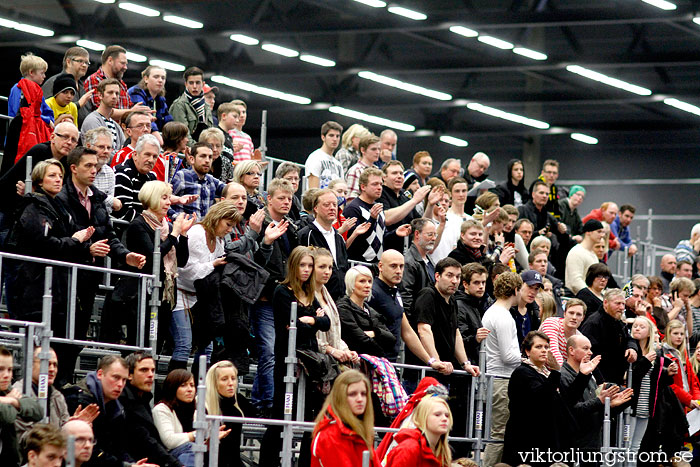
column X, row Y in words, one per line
column 185, row 414
column 198, row 103
column 476, row 252
column 544, row 371
column 169, row 259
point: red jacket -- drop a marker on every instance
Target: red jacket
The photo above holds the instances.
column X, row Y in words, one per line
column 336, row 445
column 694, row 387
column 413, row 450
column 34, row 129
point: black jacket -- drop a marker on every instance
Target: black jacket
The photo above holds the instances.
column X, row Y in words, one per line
column 30, row 411
column 415, row 278
column 141, row 436
column 276, row 263
column 533, row 310
column 390, row 200
column 462, row 254
column 506, row 192
column 570, row 217
column 354, row 322
column 609, row 338
column 310, row 235
column 470, row 310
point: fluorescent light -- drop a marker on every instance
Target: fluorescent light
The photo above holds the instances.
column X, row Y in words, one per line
column 406, row 13
column 234, row 83
column 371, row 118
column 614, row 82
column 167, row 65
column 8, row 23
column 533, row 54
column 180, row 21
column 395, row 83
column 105, row 1
column 507, row 116
column 243, row 39
column 462, row 31
column 696, row 20
column 278, row 49
column 682, row 106
column 141, row 10
column 494, row 42
column 454, row 141
column 91, row 45
column 584, row 138
column 316, row 60
column 372, row 3
column 663, row 4
column 134, row 57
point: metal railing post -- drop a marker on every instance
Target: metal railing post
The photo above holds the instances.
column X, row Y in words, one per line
column 650, row 237
column 141, row 312
column 480, row 402
column 301, row 397
column 70, row 322
column 365, row 458
column 155, row 295
column 46, row 334
column 625, row 266
column 289, row 379
column 28, row 176
column 28, row 362
column 70, row 452
column 200, row 423
column 627, row 436
column 214, row 443
column 606, row 427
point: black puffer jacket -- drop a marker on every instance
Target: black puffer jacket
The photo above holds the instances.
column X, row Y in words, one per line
column 470, row 310
column 355, row 321
column 276, row 263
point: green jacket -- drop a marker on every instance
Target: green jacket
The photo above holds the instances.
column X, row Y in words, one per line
column 182, row 111
column 29, row 409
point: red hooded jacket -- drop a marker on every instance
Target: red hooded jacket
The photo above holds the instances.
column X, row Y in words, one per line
column 336, row 445
column 34, row 129
column 694, row 386
column 413, row 450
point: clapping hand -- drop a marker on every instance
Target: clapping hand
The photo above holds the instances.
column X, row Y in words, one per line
column 274, row 231
column 136, row 260
column 256, row 220
column 88, row 414
column 362, row 228
column 83, row 235
column 182, row 224
column 404, row 230
column 377, row 208
column 347, row 225
column 587, row 367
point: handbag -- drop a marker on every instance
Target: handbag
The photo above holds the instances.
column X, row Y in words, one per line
column 321, row 369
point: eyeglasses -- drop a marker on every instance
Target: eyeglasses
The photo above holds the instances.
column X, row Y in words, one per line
column 72, row 139
column 254, row 174
column 81, row 61
column 143, row 126
column 81, row 440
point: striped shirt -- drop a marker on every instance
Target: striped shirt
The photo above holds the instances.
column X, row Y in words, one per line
column 644, row 395
column 128, row 183
column 127, row 152
column 96, row 120
column 242, row 138
column 554, row 328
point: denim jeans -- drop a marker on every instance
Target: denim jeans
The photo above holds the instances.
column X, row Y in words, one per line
column 263, row 324
column 184, row 454
column 181, row 330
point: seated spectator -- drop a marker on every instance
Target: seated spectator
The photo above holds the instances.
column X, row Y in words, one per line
column 224, row 399
column 369, row 154
column 549, row 176
column 656, row 296
column 668, row 271
column 422, row 166
column 545, row 300
column 248, row 174
column 321, row 166
column 681, row 290
column 534, row 387
column 141, row 436
column 100, row 140
column 581, row 256
column 526, row 312
column 689, row 249
column 620, row 228
column 103, row 387
column 190, row 108
column 471, row 249
column 151, row 92
column 44, row 446
column 385, row 297
column 471, row 306
column 320, row 233
column 449, row 169
column 345, row 426
column 596, row 282
column 559, row 330
column 361, row 326
column 175, row 143
column 84, row 440
column 426, row 444
column 685, row 382
column 349, row 152
column 292, row 173
column 174, row 415
column 694, row 302
column 243, row 239
column 76, row 61
column 419, row 270
column 569, row 211
column 487, row 200
column 610, row 338
column 524, row 228
column 538, row 261
column 214, row 137
column 108, row 90
column 138, row 124
column 388, row 139
column 340, row 187
column 228, row 114
column 133, row 174
column 306, row 215
column 198, row 182
column 61, row 102
column 538, row 211
column 513, row 190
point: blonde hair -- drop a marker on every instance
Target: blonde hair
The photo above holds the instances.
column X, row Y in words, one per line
column 337, row 400
column 228, row 108
column 212, row 399
column 675, row 324
column 213, row 132
column 225, row 209
column 649, row 345
column 420, row 419
column 30, row 62
column 354, row 131
column 40, row 169
column 151, row 193
column 243, row 167
column 146, row 73
column 549, row 306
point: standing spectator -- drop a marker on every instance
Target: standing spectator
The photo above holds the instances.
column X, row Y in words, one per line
column 455, row 217
column 606, row 214
column 76, row 61
column 685, row 382
column 64, row 89
column 559, row 330
column 620, row 228
column 133, row 174
column 174, row 415
column 44, row 446
column 581, row 256
column 198, row 182
column 681, row 290
column 684, row 269
column 471, row 306
column 214, row 137
column 513, row 190
column 689, row 249
column 137, row 124
column 345, row 426
column 175, row 147
column 244, row 236
column 321, row 166
column 292, row 173
column 610, row 338
column 549, row 176
column 471, row 248
column 569, row 211
column 386, row 298
column 502, row 356
column 668, row 270
column 108, row 91
column 422, row 166
column 151, row 92
column 369, row 153
column 223, row 399
column 100, row 140
column 349, row 152
column 248, row 173
column 228, row 120
column 388, row 139
column 597, row 278
column 210, row 98
column 368, row 246
column 536, row 212
column 191, row 108
column 526, row 312
column 33, row 71
column 449, row 169
column 242, row 143
column 419, row 270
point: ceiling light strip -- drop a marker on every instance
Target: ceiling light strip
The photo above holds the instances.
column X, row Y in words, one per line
column 139, row 9
column 584, row 138
column 693, row 109
column 406, row 13
column 180, row 21
column 24, row 27
column 234, row 83
column 507, row 116
column 614, row 82
column 371, row 118
column 663, row 4
column 395, row 83
column 454, row 141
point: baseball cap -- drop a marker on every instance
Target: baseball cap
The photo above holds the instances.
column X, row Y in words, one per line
column 531, row 277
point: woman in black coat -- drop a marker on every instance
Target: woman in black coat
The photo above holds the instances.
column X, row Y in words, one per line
column 361, row 326
column 513, row 190
column 44, row 229
column 539, row 416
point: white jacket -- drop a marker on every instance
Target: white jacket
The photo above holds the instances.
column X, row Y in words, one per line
column 169, row 427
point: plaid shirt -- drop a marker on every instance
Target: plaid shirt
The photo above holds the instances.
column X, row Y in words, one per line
column 93, row 81
column 187, row 182
column 353, row 178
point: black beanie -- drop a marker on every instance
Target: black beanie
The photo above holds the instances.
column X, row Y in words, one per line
column 64, row 81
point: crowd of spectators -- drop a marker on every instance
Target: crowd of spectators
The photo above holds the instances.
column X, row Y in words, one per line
column 386, row 263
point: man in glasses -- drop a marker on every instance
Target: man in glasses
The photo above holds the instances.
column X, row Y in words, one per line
column 137, row 125
column 76, row 61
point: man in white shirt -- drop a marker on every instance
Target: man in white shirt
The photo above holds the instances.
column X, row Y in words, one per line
column 581, row 256
column 502, row 356
column 321, row 166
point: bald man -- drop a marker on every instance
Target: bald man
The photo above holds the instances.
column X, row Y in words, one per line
column 668, row 270
column 387, row 141
column 84, row 440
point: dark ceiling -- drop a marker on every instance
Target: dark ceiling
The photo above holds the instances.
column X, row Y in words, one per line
column 625, row 39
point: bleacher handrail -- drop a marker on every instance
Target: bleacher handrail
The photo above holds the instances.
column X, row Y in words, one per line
column 86, row 267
